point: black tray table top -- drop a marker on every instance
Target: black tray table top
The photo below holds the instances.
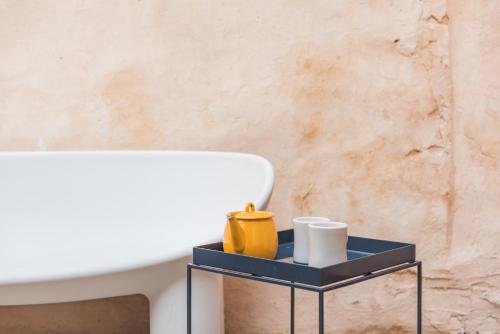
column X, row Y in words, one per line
column 363, row 257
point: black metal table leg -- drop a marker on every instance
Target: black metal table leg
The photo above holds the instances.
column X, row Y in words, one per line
column 188, row 300
column 320, row 290
column 419, row 298
column 321, row 311
column 292, row 310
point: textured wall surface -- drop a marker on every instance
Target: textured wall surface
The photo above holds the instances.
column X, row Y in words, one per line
column 382, row 114
column 118, row 315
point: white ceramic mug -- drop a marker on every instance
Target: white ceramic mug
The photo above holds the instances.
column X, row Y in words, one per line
column 327, row 244
column 301, row 237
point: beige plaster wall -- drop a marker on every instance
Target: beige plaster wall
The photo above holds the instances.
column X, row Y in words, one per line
column 120, row 315
column 383, row 114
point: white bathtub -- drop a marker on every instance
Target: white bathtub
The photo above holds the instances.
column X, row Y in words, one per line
column 84, row 225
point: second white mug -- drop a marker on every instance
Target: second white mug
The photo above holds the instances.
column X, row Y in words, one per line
column 327, row 244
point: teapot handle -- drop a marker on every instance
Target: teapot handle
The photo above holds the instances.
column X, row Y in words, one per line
column 250, row 207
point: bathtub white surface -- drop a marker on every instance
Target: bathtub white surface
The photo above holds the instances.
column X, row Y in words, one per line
column 74, row 214
column 85, row 225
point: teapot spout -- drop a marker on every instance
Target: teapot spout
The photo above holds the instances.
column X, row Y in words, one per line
column 237, row 234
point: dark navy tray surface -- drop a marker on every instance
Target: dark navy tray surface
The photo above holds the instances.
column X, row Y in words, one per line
column 363, row 256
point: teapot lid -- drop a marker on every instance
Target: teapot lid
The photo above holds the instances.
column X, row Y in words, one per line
column 250, row 213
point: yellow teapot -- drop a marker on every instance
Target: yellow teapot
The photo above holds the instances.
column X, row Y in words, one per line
column 251, row 233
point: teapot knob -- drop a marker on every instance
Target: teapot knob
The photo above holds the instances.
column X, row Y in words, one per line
column 250, row 207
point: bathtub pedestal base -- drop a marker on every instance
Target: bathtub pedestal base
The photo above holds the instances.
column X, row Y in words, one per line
column 167, row 300
column 168, row 307
column 164, row 285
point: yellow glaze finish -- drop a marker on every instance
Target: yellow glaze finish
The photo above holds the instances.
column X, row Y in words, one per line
column 251, row 233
